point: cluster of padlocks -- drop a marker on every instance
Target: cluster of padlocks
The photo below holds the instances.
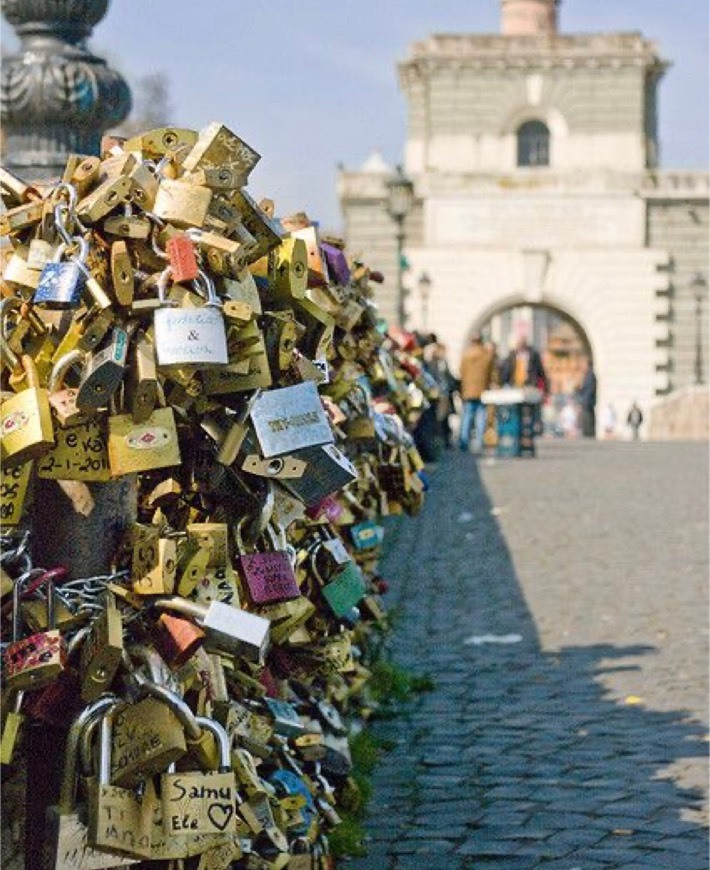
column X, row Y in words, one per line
column 159, row 323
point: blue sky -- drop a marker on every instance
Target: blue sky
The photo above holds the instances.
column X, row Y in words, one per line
column 311, row 83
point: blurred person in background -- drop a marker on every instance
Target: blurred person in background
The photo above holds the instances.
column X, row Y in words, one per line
column 437, row 364
column 634, row 419
column 587, row 398
column 523, row 368
column 608, row 420
column 476, row 369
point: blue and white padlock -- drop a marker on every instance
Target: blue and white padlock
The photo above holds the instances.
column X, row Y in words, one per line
column 62, row 280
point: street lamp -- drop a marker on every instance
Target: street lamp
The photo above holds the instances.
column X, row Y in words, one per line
column 699, row 286
column 424, row 288
column 400, row 198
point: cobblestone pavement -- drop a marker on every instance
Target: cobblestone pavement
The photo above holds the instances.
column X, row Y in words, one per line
column 584, row 744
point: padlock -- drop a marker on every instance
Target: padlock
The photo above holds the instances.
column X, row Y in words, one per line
column 145, row 446
column 61, row 282
column 82, row 173
column 328, row 470
column 103, row 372
column 148, row 736
column 101, row 651
column 190, row 336
column 288, row 419
column 12, row 730
column 128, row 225
column 182, row 204
column 37, row 660
column 266, row 232
column 119, row 821
column 228, row 628
column 21, row 271
column 154, row 561
column 62, row 399
column 177, row 639
column 160, row 141
column 104, row 199
column 21, row 217
column 67, row 847
column 218, row 147
column 268, row 573
column 183, row 261
column 122, row 273
column 26, row 430
column 14, row 483
column 343, row 589
column 14, row 190
column 199, row 802
column 141, row 385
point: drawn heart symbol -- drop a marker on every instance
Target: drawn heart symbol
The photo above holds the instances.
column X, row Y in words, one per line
column 220, row 815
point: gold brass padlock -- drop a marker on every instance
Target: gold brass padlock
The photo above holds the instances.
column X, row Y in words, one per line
column 104, row 199
column 143, row 446
column 217, row 146
column 184, row 205
column 26, row 430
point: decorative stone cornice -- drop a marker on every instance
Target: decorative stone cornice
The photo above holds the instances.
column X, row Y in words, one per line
column 479, row 52
column 688, row 185
column 56, row 97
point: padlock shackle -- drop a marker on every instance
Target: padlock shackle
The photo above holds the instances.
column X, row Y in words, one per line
column 213, row 300
column 18, row 593
column 158, row 670
column 8, row 304
column 62, row 366
column 105, row 742
column 223, row 741
column 67, row 792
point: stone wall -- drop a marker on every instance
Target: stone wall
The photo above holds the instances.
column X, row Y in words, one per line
column 681, row 227
column 683, row 415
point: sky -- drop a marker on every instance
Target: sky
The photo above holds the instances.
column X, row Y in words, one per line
column 312, row 83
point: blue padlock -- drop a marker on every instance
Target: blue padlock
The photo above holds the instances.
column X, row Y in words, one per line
column 61, row 281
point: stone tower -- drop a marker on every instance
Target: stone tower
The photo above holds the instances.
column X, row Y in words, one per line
column 535, row 156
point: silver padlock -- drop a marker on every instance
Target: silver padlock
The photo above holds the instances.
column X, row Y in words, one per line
column 190, row 336
column 228, row 628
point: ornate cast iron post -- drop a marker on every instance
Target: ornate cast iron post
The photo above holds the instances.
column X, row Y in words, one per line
column 57, row 98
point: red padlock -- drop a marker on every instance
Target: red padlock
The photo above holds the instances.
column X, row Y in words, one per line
column 183, row 261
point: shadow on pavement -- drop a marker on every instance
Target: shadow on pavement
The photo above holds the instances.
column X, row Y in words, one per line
column 517, row 758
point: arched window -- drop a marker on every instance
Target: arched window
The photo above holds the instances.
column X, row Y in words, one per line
column 533, row 144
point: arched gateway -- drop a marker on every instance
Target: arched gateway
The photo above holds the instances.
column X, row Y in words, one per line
column 533, row 155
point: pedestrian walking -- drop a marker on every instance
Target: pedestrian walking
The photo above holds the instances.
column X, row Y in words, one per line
column 587, row 398
column 476, row 364
column 634, row 420
column 608, row 420
column 435, row 360
column 568, row 420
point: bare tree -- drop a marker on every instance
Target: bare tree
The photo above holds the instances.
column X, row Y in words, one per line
column 151, row 105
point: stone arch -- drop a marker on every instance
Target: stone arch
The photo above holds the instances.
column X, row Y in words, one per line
column 517, row 300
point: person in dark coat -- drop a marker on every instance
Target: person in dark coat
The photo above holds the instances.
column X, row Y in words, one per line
column 523, row 368
column 587, row 398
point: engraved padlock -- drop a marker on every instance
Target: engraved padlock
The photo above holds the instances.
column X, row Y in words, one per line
column 67, row 846
column 267, row 573
column 119, row 820
column 202, row 802
column 62, row 281
column 189, row 336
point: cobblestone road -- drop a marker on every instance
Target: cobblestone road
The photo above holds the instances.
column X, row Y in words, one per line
column 584, row 744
